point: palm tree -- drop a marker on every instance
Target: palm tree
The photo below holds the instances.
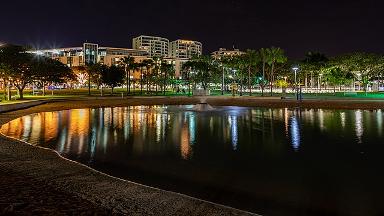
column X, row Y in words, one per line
column 240, row 62
column 167, row 69
column 263, row 53
column 156, row 72
column 128, row 63
column 187, row 67
column 275, row 56
column 251, row 59
column 141, row 65
column 148, row 64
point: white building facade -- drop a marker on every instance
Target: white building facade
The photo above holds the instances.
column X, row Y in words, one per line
column 185, row 49
column 155, row 46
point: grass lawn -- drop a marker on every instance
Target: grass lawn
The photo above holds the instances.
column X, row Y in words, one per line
column 68, row 93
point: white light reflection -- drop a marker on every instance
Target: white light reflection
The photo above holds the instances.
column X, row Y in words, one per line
column 192, row 128
column 295, row 133
column 321, row 119
column 93, row 142
column 62, row 140
column 158, row 126
column 234, row 135
column 27, row 126
column 379, row 122
column 342, row 118
column 359, row 126
column 286, row 121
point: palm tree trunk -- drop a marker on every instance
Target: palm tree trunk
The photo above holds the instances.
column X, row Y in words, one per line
column 129, row 81
column 43, row 84
column 165, row 80
column 249, row 81
column 9, row 93
column 241, row 86
column 127, row 75
column 147, row 80
column 262, row 85
column 272, row 78
column 5, row 90
column 89, row 84
column 141, row 81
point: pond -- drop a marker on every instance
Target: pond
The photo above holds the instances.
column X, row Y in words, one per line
column 267, row 161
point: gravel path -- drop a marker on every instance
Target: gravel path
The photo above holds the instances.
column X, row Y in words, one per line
column 23, row 195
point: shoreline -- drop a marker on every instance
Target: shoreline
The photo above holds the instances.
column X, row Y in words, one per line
column 116, row 195
column 122, row 196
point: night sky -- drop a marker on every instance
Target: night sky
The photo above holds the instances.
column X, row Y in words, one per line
column 330, row 27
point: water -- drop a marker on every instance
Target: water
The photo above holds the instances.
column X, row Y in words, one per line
column 268, row 161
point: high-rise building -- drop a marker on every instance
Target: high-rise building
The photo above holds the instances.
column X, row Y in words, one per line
column 185, row 49
column 155, row 46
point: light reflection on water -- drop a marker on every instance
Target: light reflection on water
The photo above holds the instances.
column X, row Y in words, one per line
column 295, row 133
column 210, row 147
column 76, row 131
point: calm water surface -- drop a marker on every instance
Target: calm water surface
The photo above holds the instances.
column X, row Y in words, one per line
column 268, row 161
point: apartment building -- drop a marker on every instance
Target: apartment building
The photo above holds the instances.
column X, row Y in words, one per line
column 185, row 49
column 155, row 46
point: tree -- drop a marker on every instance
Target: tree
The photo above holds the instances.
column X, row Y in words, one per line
column 313, row 63
column 95, row 71
column 17, row 67
column 203, row 69
column 155, row 78
column 263, row 53
column 49, row 71
column 337, row 77
column 129, row 65
column 186, row 68
column 112, row 76
column 241, row 65
column 283, row 84
column 365, row 65
column 252, row 60
column 274, row 56
column 148, row 64
column 168, row 71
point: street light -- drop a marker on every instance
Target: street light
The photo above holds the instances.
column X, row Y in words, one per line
column 295, row 69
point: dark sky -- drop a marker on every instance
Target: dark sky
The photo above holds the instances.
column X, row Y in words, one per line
column 331, row 27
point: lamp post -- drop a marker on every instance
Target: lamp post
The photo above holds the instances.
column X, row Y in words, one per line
column 295, row 69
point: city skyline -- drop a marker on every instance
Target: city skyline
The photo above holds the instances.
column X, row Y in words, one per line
column 329, row 27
